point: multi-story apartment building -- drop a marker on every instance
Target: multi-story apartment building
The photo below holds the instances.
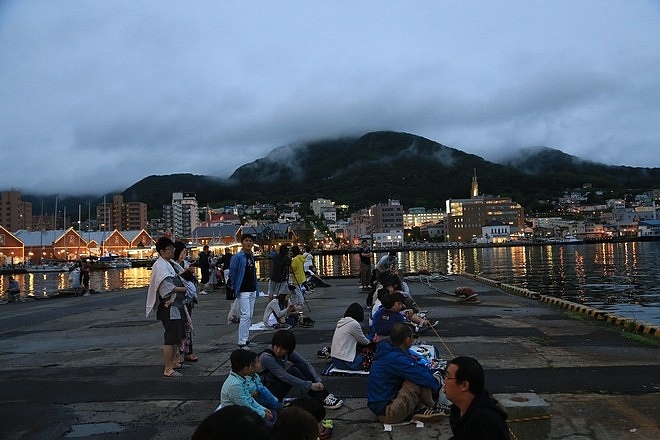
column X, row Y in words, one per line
column 416, row 217
column 15, row 213
column 466, row 217
column 325, row 209
column 122, row 216
column 387, row 217
column 182, row 216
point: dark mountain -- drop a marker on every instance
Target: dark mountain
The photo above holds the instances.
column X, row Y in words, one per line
column 361, row 171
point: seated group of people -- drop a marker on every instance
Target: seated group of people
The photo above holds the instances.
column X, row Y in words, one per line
column 261, row 382
column 401, row 384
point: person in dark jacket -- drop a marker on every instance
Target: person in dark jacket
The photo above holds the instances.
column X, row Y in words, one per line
column 279, row 273
column 399, row 386
column 475, row 415
column 204, row 265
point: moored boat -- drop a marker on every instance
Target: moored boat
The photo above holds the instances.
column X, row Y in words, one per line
column 43, row 268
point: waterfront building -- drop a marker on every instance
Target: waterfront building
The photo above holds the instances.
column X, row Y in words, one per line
column 15, row 213
column 393, row 238
column 69, row 244
column 12, row 250
column 216, row 236
column 495, row 232
column 416, row 217
column 466, row 217
column 648, row 228
column 121, row 215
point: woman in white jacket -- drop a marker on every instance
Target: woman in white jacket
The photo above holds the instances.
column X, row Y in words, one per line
column 351, row 349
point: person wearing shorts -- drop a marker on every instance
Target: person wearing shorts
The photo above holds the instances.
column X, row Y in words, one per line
column 161, row 288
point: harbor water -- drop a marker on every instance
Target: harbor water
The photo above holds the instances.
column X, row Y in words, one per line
column 623, row 278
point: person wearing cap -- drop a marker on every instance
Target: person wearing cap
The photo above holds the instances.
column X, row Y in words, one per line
column 392, row 310
column 386, row 265
column 243, row 276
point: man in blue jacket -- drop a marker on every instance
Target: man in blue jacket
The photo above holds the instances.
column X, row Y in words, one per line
column 243, row 276
column 399, row 386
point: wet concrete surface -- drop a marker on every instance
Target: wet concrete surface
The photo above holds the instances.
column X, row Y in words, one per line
column 90, row 367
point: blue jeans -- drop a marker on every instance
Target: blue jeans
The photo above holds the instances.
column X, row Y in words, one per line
column 355, row 364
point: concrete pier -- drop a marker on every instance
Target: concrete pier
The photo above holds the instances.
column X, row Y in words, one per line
column 90, row 367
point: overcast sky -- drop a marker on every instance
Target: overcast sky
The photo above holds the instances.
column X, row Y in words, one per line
column 96, row 95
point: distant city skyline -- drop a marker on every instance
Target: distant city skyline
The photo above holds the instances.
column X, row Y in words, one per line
column 98, row 95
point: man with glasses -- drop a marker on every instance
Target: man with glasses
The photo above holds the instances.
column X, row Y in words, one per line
column 475, row 415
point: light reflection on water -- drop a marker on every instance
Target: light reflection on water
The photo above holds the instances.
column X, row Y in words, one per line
column 620, row 277
column 41, row 284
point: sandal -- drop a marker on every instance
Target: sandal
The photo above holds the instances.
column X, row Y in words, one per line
column 173, row 375
column 191, row 358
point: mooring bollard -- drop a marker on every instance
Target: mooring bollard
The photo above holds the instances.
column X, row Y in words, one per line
column 529, row 415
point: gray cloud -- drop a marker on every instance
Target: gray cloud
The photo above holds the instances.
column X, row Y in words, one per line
column 98, row 95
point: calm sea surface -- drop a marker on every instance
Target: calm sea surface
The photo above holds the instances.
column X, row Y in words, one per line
column 620, row 277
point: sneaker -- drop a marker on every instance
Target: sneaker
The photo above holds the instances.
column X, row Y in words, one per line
column 331, row 402
column 324, row 353
column 429, row 415
column 204, row 292
column 443, row 408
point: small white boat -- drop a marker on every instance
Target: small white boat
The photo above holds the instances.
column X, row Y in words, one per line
column 43, row 268
column 121, row 263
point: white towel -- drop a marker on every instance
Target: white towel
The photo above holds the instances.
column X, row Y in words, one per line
column 160, row 270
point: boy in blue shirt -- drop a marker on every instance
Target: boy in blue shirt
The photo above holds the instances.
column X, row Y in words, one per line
column 243, row 386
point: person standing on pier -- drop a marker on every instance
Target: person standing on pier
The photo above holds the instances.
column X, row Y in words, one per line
column 223, row 265
column 84, row 279
column 243, row 276
column 474, row 415
column 205, row 268
column 161, row 288
column 365, row 266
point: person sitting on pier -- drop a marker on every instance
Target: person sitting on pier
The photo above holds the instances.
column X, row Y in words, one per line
column 283, row 368
column 386, row 265
column 474, row 414
column 392, row 310
column 243, row 386
column 399, row 386
column 393, row 283
column 280, row 313
column 351, row 349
